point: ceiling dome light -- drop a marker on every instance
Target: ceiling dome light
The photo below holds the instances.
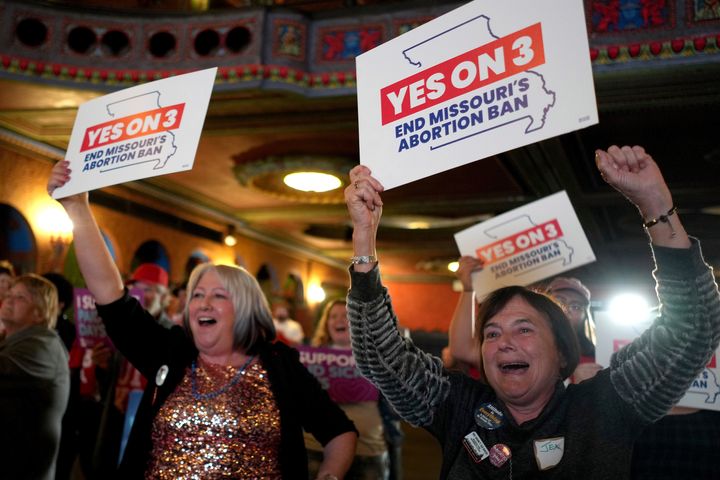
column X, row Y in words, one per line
column 275, row 175
column 418, row 225
column 312, row 181
column 230, row 239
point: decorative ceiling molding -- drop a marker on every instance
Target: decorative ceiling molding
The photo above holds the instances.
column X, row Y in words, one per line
column 265, row 48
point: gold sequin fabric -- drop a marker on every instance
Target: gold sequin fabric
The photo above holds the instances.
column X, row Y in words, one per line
column 235, row 434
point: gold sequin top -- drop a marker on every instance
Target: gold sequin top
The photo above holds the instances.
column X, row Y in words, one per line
column 235, row 434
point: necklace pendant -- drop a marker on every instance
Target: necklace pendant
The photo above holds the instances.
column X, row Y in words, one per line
column 227, row 386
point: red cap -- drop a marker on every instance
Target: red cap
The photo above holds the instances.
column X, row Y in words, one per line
column 150, row 273
column 569, row 283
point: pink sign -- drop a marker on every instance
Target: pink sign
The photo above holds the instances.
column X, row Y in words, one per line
column 89, row 326
column 337, row 372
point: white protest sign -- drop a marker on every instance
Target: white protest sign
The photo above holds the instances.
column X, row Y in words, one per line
column 704, row 391
column 485, row 78
column 527, row 244
column 143, row 131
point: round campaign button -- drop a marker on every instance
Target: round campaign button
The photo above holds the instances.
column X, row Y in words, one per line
column 489, row 417
column 499, row 454
column 161, row 375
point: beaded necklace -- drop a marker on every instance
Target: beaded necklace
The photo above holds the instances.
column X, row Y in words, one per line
column 207, row 396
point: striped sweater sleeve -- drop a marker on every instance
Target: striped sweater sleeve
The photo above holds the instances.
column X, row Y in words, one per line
column 654, row 372
column 412, row 380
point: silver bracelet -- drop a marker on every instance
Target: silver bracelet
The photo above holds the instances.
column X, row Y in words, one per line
column 363, row 259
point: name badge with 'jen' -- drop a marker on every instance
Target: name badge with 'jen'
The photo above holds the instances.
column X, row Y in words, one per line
column 549, row 452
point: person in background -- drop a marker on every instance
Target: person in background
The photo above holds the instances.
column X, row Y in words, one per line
column 7, row 273
column 521, row 421
column 66, row 330
column 223, row 400
column 680, row 445
column 394, row 438
column 64, row 326
column 176, row 305
column 289, row 331
column 371, row 456
column 34, row 380
column 118, row 378
column 462, row 353
column 574, row 298
column 153, row 280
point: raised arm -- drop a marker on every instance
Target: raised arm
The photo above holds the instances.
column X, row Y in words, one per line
column 364, row 204
column 654, row 372
column 97, row 266
column 412, row 380
column 634, row 173
column 463, row 345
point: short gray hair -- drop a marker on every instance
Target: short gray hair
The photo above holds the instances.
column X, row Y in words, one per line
column 253, row 321
column 43, row 295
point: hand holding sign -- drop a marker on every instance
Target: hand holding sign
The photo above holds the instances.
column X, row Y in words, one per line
column 527, row 244
column 59, row 176
column 364, row 204
column 143, row 131
column 468, row 265
column 481, row 79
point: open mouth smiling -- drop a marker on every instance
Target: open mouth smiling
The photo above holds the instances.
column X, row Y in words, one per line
column 205, row 321
column 514, row 367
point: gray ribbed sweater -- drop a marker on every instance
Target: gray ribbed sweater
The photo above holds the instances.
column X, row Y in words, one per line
column 598, row 419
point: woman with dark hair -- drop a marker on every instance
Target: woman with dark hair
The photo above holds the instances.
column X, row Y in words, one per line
column 521, row 421
column 562, row 331
column 569, row 294
column 223, row 400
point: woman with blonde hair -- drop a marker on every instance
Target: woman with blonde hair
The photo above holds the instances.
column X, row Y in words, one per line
column 223, row 400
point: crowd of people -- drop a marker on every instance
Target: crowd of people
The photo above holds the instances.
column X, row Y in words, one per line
column 102, row 380
column 209, row 373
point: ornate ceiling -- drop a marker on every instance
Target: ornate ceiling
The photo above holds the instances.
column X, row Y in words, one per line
column 285, row 93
